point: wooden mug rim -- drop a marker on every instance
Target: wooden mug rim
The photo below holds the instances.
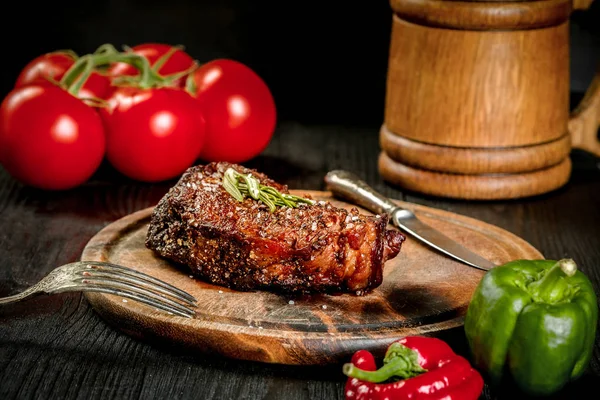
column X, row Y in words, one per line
column 485, row 16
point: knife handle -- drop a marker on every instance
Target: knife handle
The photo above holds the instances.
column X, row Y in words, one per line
column 349, row 186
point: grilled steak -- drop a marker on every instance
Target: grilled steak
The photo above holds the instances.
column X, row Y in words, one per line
column 244, row 246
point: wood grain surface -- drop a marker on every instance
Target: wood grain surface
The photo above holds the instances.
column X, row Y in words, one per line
column 474, row 160
column 478, row 88
column 484, row 15
column 449, row 127
column 423, row 293
column 58, row 347
column 475, row 187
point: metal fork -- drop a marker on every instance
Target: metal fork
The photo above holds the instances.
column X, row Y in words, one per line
column 96, row 276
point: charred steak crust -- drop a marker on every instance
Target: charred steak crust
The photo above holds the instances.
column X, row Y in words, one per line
column 241, row 245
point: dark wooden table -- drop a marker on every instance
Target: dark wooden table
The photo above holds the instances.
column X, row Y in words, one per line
column 57, row 347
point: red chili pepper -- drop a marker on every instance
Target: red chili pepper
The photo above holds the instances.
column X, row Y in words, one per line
column 427, row 368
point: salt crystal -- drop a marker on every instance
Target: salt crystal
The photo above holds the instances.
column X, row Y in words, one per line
column 124, row 300
column 220, row 291
column 324, row 307
column 291, row 302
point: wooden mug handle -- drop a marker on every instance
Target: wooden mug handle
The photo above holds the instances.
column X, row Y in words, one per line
column 585, row 119
column 582, row 4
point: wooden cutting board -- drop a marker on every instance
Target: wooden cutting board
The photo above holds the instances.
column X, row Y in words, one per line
column 423, row 293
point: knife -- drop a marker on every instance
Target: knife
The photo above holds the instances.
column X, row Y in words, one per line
column 346, row 185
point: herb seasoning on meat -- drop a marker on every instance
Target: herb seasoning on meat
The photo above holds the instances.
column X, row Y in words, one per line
column 247, row 245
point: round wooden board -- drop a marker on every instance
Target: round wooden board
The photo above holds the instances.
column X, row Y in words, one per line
column 423, row 293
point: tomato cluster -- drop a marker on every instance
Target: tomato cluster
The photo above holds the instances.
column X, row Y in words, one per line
column 151, row 111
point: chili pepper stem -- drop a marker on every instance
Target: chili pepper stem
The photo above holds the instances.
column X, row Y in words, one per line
column 396, row 368
column 400, row 362
column 552, row 287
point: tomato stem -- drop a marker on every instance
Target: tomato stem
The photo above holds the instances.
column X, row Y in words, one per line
column 187, row 72
column 66, row 52
column 107, row 54
column 72, row 73
column 190, row 85
column 94, row 102
column 80, row 79
column 106, row 48
column 164, row 58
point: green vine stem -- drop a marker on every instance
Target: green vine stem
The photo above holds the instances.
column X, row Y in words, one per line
column 106, row 48
column 66, row 52
column 88, row 68
column 105, row 55
column 165, row 57
column 190, row 85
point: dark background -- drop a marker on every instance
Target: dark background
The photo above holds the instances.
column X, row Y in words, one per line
column 325, row 61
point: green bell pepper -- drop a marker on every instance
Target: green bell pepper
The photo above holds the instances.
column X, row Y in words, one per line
column 534, row 320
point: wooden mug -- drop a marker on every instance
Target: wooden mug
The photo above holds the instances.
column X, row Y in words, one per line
column 477, row 99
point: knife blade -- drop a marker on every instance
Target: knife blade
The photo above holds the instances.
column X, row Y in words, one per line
column 347, row 185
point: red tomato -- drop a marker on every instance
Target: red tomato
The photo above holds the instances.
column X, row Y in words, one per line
column 97, row 85
column 239, row 110
column 55, row 65
column 50, row 65
column 152, row 134
column 48, row 138
column 178, row 62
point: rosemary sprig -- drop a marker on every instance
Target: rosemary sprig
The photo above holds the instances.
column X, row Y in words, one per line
column 241, row 186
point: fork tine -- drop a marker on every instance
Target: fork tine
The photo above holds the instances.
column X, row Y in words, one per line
column 127, row 287
column 113, row 275
column 181, row 311
column 104, row 266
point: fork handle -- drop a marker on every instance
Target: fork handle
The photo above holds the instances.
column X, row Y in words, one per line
column 20, row 296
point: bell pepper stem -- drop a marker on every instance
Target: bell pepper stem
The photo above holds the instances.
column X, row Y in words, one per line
column 552, row 287
column 400, row 362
